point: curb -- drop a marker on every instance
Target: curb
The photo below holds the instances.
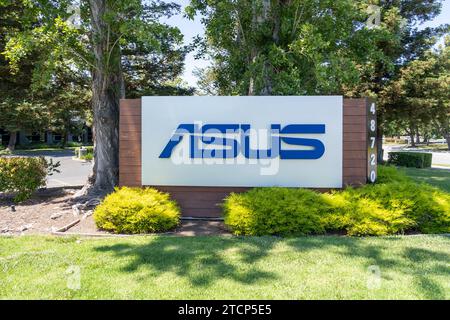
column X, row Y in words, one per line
column 81, row 160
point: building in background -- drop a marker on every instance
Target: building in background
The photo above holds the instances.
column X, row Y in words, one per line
column 26, row 138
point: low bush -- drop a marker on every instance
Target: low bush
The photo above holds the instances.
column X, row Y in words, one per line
column 392, row 206
column 24, row 175
column 388, row 174
column 38, row 146
column 389, row 208
column 73, row 144
column 136, row 210
column 263, row 211
column 411, row 159
column 87, row 155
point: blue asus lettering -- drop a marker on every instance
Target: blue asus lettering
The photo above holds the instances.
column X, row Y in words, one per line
column 224, row 147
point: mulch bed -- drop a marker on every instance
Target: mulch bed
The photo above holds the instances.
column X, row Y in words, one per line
column 44, row 213
column 188, row 228
column 50, row 210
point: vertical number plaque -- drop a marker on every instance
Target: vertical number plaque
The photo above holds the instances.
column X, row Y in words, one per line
column 371, row 142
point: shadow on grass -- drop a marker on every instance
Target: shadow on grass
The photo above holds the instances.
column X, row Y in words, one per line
column 205, row 260
column 440, row 266
column 419, row 263
column 201, row 260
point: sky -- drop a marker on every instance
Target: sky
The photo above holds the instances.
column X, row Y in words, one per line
column 190, row 29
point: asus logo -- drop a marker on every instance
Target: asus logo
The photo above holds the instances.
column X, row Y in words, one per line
column 230, row 140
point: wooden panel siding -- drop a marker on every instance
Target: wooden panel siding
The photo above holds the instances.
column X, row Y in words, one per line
column 355, row 142
column 130, row 129
column 205, row 201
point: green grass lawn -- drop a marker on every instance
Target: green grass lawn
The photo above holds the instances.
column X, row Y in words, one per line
column 437, row 177
column 411, row 267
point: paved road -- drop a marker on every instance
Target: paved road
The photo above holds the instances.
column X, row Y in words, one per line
column 73, row 172
column 441, row 159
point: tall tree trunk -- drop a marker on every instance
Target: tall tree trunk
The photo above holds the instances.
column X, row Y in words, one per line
column 260, row 16
column 107, row 90
column 417, row 137
column 426, row 140
column 411, row 138
column 63, row 139
column 254, row 51
column 447, row 138
column 380, row 154
column 12, row 141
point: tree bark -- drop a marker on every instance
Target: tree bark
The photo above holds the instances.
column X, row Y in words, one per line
column 254, row 49
column 411, row 138
column 63, row 139
column 447, row 138
column 107, row 89
column 12, row 141
column 380, row 144
column 260, row 16
column 417, row 137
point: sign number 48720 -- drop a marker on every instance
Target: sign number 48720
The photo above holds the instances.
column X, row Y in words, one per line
column 372, row 143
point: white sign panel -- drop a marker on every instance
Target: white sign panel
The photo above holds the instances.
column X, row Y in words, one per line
column 242, row 141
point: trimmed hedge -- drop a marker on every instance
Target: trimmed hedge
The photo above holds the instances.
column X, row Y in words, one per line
column 395, row 206
column 24, row 175
column 411, row 159
column 137, row 210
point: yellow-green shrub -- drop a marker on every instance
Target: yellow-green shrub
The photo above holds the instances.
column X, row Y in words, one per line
column 263, row 211
column 23, row 175
column 391, row 174
column 426, row 206
column 137, row 210
column 396, row 206
column 363, row 216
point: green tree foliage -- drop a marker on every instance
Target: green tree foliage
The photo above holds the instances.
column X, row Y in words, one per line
column 299, row 47
column 405, row 41
column 17, row 114
column 18, row 108
column 287, row 47
column 108, row 38
column 420, row 97
column 67, row 98
column 35, row 96
column 148, row 72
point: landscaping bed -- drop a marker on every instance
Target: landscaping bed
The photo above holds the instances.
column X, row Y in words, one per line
column 44, row 213
column 397, row 204
column 187, row 228
column 49, row 211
